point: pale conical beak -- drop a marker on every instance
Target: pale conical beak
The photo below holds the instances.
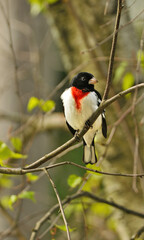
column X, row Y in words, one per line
column 93, row 81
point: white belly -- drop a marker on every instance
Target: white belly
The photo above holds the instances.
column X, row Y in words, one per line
column 77, row 117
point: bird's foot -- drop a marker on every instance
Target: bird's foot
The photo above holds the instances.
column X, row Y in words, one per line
column 88, row 124
column 77, row 136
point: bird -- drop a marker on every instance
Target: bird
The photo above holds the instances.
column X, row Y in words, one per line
column 80, row 101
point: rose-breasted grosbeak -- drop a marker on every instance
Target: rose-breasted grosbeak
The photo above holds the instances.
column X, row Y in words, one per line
column 80, row 101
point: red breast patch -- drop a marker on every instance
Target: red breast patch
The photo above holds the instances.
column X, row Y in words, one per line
column 78, row 95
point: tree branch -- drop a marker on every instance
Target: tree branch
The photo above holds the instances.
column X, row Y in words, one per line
column 111, row 35
column 79, row 195
column 113, row 48
column 138, row 233
column 20, row 171
column 92, row 119
column 11, row 45
column 30, row 168
column 59, row 201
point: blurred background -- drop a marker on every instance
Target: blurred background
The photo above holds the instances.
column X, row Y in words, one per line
column 43, row 44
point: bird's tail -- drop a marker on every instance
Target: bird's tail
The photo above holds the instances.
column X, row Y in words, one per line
column 89, row 155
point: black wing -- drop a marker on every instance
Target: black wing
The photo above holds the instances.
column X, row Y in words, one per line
column 104, row 124
column 98, row 95
column 70, row 128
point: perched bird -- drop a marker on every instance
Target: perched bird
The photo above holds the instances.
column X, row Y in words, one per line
column 80, row 101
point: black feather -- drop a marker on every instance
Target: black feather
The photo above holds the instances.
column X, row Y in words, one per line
column 104, row 127
column 98, row 94
column 70, row 128
column 104, row 124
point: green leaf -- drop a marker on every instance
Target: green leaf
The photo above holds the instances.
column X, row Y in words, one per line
column 111, row 223
column 63, row 228
column 6, row 153
column 69, row 210
column 52, row 1
column 140, row 57
column 74, row 180
column 17, row 155
column 33, row 103
column 6, row 202
column 12, row 200
column 119, row 72
column 17, row 143
column 101, row 209
column 94, row 181
column 47, row 106
column 128, row 81
column 39, row 5
column 5, row 181
column 27, row 195
column 31, row 177
column 93, row 167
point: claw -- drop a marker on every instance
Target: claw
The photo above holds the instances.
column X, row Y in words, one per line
column 77, row 137
column 87, row 124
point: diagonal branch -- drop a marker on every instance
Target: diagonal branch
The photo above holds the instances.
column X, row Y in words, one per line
column 59, row 202
column 68, row 144
column 138, row 233
column 92, row 119
column 113, row 49
column 38, row 224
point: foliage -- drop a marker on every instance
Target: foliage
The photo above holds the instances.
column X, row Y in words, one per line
column 39, row 5
column 9, row 201
column 63, row 228
column 140, row 57
column 6, row 153
column 16, row 143
column 31, row 177
column 45, row 106
column 74, row 180
column 128, row 81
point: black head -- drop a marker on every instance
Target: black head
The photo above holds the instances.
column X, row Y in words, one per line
column 84, row 81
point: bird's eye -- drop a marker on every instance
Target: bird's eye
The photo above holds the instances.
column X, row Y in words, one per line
column 83, row 79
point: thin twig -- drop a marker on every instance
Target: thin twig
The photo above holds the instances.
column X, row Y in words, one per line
column 65, row 80
column 111, row 35
column 113, row 48
column 137, row 161
column 60, row 203
column 138, row 233
column 136, row 155
column 116, row 124
column 95, row 171
column 11, row 45
column 19, row 171
column 107, row 145
column 50, row 227
column 34, row 232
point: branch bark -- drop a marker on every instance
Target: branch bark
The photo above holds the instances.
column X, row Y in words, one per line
column 113, row 49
